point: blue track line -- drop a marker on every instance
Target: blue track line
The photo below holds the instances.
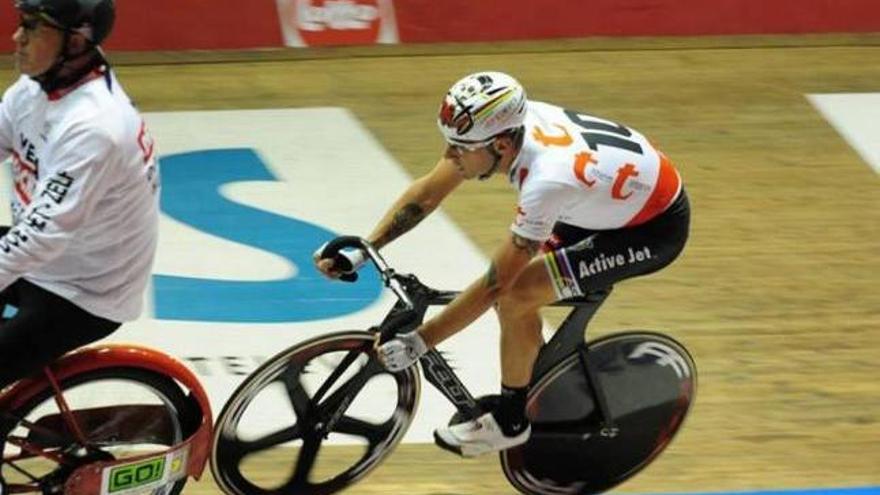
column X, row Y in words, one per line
column 868, row 490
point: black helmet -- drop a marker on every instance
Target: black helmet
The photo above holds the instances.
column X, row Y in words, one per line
column 91, row 18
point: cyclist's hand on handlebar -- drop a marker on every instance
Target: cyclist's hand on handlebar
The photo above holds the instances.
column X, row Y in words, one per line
column 402, row 351
column 347, row 262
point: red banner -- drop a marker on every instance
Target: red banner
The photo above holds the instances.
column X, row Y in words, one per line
column 240, row 24
column 422, row 21
column 180, row 25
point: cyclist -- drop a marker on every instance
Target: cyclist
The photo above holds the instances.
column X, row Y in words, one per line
column 597, row 204
column 75, row 261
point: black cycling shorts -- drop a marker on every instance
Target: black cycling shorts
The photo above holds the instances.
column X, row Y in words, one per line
column 581, row 261
column 45, row 327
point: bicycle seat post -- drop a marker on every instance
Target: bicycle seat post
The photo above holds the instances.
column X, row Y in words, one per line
column 609, row 428
column 571, row 333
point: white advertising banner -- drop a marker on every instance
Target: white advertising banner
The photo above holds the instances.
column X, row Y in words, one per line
column 337, row 22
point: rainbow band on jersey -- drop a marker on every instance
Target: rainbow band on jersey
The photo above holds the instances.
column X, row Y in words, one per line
column 561, row 275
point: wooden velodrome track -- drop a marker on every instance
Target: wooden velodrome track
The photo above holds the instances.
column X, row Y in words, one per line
column 778, row 292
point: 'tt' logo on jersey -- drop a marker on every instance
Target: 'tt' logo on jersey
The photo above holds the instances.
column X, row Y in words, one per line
column 623, row 173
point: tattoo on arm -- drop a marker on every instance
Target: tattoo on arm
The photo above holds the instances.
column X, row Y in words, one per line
column 492, row 277
column 404, row 219
column 527, row 245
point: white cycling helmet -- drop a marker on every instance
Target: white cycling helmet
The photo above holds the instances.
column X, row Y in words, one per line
column 479, row 107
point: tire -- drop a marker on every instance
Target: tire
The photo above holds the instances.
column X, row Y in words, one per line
column 154, row 414
column 374, row 416
column 649, row 381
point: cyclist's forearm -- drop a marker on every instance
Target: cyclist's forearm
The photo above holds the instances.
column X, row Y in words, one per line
column 416, row 203
column 507, row 264
column 400, row 219
column 421, row 198
column 464, row 310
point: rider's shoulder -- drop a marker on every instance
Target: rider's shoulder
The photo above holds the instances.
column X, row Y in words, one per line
column 20, row 91
column 544, row 179
column 98, row 119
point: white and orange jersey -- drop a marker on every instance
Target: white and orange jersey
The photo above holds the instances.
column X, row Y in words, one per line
column 587, row 172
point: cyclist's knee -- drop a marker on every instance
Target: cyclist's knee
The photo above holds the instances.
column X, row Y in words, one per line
column 518, row 299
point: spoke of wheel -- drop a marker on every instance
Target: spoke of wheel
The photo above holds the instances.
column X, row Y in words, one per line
column 299, row 400
column 373, row 433
column 337, row 372
column 34, row 451
column 308, row 454
column 271, row 440
column 345, row 393
column 51, row 434
column 22, row 472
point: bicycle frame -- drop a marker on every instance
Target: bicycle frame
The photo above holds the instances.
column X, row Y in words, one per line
column 414, row 300
column 87, row 480
column 568, row 338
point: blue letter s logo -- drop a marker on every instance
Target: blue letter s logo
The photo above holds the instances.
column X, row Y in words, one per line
column 190, row 185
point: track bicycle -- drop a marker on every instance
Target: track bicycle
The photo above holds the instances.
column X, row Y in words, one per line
column 107, row 419
column 601, row 410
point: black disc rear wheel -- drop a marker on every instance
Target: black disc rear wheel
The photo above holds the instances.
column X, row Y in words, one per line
column 649, row 381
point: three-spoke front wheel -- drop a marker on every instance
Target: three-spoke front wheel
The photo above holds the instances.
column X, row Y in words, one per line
column 335, row 393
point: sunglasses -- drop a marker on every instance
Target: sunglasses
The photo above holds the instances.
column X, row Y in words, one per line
column 460, row 147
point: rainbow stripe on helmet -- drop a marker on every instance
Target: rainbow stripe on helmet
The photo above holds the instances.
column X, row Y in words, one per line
column 494, row 103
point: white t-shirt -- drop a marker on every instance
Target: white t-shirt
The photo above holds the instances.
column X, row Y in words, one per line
column 587, row 172
column 85, row 194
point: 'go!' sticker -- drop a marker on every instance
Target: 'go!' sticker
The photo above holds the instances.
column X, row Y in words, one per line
column 145, row 474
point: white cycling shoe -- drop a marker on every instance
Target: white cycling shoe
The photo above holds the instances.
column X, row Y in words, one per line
column 477, row 437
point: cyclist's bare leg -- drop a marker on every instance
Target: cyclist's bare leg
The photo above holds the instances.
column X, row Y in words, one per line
column 507, row 425
column 518, row 312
